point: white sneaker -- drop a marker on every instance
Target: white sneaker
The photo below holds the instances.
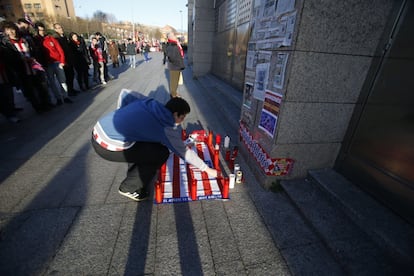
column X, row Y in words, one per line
column 137, row 195
column 104, row 82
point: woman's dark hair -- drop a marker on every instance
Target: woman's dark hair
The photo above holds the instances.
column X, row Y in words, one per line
column 71, row 34
column 9, row 25
column 178, row 105
column 39, row 24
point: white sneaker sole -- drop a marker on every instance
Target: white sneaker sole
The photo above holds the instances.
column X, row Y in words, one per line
column 132, row 196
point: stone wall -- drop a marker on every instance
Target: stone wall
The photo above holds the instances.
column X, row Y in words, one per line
column 202, row 29
column 335, row 45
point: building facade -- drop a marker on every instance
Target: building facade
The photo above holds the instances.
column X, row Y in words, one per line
column 37, row 10
column 325, row 85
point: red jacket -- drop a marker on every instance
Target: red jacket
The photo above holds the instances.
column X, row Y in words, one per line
column 52, row 49
column 96, row 53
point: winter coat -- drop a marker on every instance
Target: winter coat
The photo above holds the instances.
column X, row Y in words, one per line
column 175, row 60
column 52, row 50
column 113, row 50
column 131, row 49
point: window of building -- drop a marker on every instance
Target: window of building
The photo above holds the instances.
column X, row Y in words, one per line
column 40, row 14
column 28, row 6
column 37, row 6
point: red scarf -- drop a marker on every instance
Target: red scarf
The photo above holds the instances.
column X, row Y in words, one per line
column 24, row 52
column 21, row 46
column 178, row 45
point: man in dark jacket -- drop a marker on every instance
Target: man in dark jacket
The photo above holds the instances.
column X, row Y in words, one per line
column 122, row 50
column 141, row 132
column 164, row 51
column 69, row 57
column 175, row 56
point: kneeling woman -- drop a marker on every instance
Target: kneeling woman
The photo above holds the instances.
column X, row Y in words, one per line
column 141, row 132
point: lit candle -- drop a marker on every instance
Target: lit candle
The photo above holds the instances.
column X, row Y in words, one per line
column 226, row 142
column 218, row 139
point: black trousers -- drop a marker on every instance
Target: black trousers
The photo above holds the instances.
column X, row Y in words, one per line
column 82, row 68
column 6, row 100
column 35, row 90
column 144, row 159
column 70, row 77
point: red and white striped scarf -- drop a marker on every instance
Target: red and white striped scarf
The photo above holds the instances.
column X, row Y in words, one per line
column 178, row 45
column 25, row 52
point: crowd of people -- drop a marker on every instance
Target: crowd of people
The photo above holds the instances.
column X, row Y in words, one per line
column 44, row 63
column 44, row 66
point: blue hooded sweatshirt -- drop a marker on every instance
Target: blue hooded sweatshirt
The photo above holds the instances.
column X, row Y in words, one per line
column 142, row 119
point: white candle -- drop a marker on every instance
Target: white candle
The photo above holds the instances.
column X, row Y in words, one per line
column 226, row 142
column 232, row 180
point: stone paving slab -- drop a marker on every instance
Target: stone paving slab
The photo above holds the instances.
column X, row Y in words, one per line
column 30, row 240
column 61, row 214
column 88, row 245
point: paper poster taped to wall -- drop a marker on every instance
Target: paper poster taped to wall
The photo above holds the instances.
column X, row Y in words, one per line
column 269, row 8
column 262, row 75
column 270, row 112
column 248, row 95
column 290, row 27
column 250, row 59
column 280, row 68
column 284, row 6
column 274, row 23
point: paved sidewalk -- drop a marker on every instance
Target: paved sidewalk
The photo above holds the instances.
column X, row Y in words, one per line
column 61, row 214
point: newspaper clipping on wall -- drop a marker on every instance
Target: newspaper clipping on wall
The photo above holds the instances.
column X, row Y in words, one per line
column 267, row 60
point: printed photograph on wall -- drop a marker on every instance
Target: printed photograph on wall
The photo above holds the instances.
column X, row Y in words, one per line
column 270, row 112
column 248, row 94
column 250, row 59
column 267, row 123
column 262, row 75
column 279, row 70
column 246, row 117
column 269, row 8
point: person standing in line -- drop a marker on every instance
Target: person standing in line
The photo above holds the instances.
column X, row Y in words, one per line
column 81, row 60
column 7, row 76
column 24, row 31
column 69, row 57
column 131, row 51
column 29, row 75
column 95, row 64
column 104, row 47
column 114, row 53
column 97, row 57
column 122, row 50
column 141, row 132
column 54, row 61
column 145, row 50
column 175, row 56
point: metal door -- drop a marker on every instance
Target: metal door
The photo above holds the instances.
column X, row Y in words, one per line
column 378, row 153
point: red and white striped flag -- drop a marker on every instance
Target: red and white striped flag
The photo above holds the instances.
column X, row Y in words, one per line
column 175, row 179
